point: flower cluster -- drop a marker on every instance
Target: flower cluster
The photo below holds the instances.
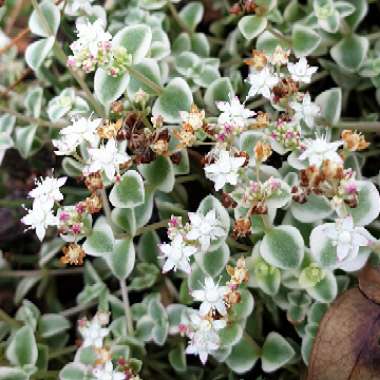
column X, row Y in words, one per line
column 94, row 48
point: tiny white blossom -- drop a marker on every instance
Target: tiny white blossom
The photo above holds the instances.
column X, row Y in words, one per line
column 90, row 36
column 106, row 372
column 177, row 254
column 204, row 338
column 107, row 158
column 76, row 7
column 48, row 190
column 39, row 218
column 211, row 296
column 224, row 169
column 65, row 146
column 204, row 228
column 319, row 150
column 262, row 82
column 233, row 113
column 306, row 111
column 301, row 71
column 93, row 333
column 82, row 130
column 346, row 237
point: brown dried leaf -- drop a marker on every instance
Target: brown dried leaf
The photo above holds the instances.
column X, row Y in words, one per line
column 347, row 344
column 369, row 282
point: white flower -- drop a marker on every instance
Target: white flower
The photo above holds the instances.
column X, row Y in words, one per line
column 90, row 36
column 224, row 169
column 177, row 254
column 301, row 71
column 82, row 130
column 234, row 113
column 40, row 217
column 93, row 333
column 204, row 338
column 346, row 237
column 211, row 296
column 262, row 82
column 204, row 229
column 65, row 146
column 106, row 158
column 76, row 7
column 195, row 117
column 306, row 111
column 48, row 190
column 107, row 372
column 319, row 150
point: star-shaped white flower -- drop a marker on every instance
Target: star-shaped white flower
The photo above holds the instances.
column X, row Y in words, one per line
column 224, row 169
column 82, row 130
column 301, row 71
column 108, row 158
column 204, row 229
column 39, row 218
column 76, row 7
column 65, row 146
column 211, row 296
column 262, row 82
column 90, row 36
column 177, row 255
column 233, row 113
column 93, row 333
column 48, row 190
column 204, row 338
column 346, row 237
column 306, row 111
column 319, row 150
column 106, row 372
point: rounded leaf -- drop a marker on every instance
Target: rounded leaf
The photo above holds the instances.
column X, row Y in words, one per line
column 100, row 242
column 52, row 324
column 283, row 247
column 73, row 371
column 129, row 191
column 304, row 40
column 52, row 18
column 243, row 355
column 22, row 349
column 326, row 290
column 251, row 26
column 176, row 97
column 313, row 210
column 37, row 51
column 149, row 68
column 191, row 14
column 330, row 102
column 122, row 259
column 213, row 262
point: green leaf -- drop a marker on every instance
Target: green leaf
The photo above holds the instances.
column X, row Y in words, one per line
column 25, row 140
column 251, row 26
column 191, row 14
column 122, row 259
column 350, row 52
column 136, row 39
column 304, row 40
column 52, row 324
column 187, row 64
column 213, row 262
column 52, row 16
column 149, row 68
column 177, row 358
column 176, row 97
column 244, row 308
column 218, row 91
column 322, row 248
column 330, row 102
column 368, row 207
column 159, row 174
column 244, row 355
column 267, row 42
column 73, row 371
column 283, row 247
column 72, row 167
column 129, row 191
column 147, row 248
column 24, row 286
column 276, row 352
column 361, row 9
column 125, row 218
column 37, row 51
column 108, row 88
column 22, row 349
column 9, row 373
column 326, row 290
column 100, row 242
column 231, row 334
column 314, row 209
column 33, row 101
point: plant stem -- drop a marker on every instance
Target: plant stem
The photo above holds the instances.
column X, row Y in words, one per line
column 188, row 178
column 157, row 89
column 152, row 227
column 31, row 120
column 8, row 319
column 367, row 126
column 39, row 272
column 62, row 351
column 177, row 17
column 127, row 307
column 236, row 244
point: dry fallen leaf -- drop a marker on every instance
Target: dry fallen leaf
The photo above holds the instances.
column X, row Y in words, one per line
column 347, row 346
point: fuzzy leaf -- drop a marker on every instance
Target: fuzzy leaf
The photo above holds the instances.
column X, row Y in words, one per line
column 244, row 355
column 22, row 350
column 122, row 259
column 251, row 26
column 304, row 40
column 330, row 102
column 37, row 51
column 52, row 16
column 100, row 242
column 191, row 14
column 108, row 88
column 52, row 324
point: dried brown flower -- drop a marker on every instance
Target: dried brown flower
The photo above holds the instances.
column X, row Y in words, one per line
column 73, row 254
